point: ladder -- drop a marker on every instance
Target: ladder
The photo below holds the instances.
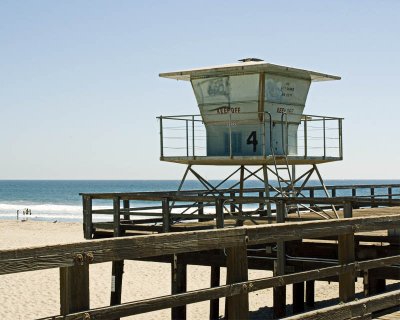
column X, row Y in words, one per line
column 283, row 174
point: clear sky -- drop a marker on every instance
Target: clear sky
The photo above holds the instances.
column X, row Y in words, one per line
column 80, row 92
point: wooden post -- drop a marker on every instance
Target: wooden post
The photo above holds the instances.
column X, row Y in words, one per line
column 261, row 204
column 166, row 215
column 87, row 217
column 240, row 222
column 237, row 306
column 215, row 281
column 311, row 196
column 298, row 297
column 279, row 293
column 126, row 205
column 215, row 270
column 200, row 210
column 74, row 289
column 310, row 293
column 346, row 255
column 178, row 285
column 232, row 205
column 117, row 265
column 372, row 283
column 373, row 197
column 219, row 213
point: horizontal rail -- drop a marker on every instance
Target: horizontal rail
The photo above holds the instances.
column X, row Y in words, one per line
column 354, row 309
column 134, row 247
column 153, row 304
column 160, row 195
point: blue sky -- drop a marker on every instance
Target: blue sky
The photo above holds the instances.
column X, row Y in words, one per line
column 79, row 85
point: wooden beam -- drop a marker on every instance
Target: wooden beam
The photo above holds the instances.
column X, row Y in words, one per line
column 74, row 289
column 164, row 302
column 237, row 271
column 178, row 285
column 37, row 258
column 353, row 309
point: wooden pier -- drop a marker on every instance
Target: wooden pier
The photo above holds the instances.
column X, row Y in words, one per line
column 224, row 230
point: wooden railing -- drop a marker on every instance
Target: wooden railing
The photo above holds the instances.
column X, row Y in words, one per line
column 74, row 259
column 166, row 207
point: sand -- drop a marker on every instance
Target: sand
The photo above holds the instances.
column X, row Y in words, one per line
column 35, row 294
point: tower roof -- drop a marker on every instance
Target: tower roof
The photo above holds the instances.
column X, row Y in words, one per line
column 247, row 66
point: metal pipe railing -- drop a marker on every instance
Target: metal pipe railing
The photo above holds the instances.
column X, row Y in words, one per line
column 309, row 141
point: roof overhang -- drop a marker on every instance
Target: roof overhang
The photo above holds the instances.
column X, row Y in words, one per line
column 251, row 67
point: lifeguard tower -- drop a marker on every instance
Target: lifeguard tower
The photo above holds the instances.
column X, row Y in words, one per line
column 251, row 115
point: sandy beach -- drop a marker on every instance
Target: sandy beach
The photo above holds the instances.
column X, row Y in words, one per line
column 35, row 294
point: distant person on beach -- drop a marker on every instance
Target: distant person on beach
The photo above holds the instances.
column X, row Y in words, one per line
column 17, row 214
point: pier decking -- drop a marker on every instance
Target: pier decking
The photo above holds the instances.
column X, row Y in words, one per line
column 237, row 233
column 190, row 211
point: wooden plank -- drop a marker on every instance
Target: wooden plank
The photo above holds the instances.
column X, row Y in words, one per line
column 353, row 309
column 237, row 306
column 74, row 289
column 158, row 303
column 178, row 285
column 37, row 258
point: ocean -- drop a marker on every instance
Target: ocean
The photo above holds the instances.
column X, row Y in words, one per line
column 51, row 200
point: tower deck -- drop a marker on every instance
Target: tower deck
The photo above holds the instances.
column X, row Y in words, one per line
column 246, row 160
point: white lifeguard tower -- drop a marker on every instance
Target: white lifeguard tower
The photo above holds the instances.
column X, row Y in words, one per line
column 251, row 114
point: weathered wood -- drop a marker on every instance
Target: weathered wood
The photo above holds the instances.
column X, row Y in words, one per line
column 214, row 303
column 346, row 279
column 279, row 293
column 310, row 293
column 74, row 289
column 237, row 271
column 352, row 309
column 117, row 269
column 37, row 258
column 87, row 217
column 116, row 282
column 117, row 216
column 222, row 291
column 178, row 285
column 373, row 282
column 219, row 212
column 232, row 205
column 126, row 206
column 166, row 215
column 347, row 210
column 298, row 297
